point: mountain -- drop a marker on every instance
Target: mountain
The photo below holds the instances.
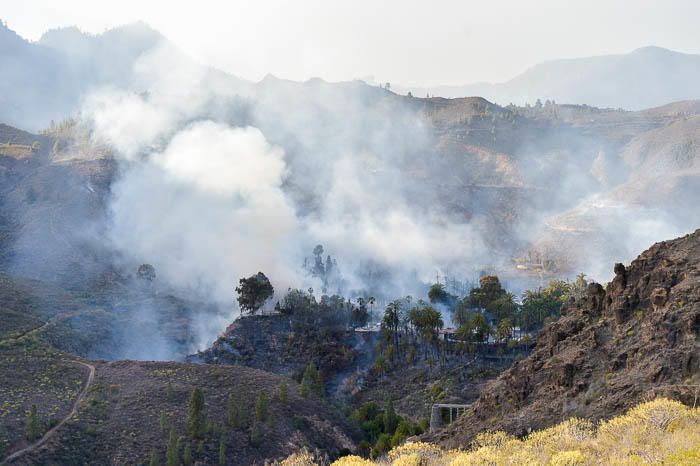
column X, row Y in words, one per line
column 46, row 80
column 646, row 77
column 633, row 340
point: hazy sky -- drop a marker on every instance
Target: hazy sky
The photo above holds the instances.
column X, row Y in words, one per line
column 402, row 41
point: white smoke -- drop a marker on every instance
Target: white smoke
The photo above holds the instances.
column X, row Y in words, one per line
column 206, row 210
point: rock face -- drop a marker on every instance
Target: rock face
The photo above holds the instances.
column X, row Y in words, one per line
column 635, row 339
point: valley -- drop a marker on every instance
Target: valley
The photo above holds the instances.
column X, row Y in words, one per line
column 200, row 269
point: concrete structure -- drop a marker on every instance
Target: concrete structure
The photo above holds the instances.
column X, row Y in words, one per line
column 455, row 410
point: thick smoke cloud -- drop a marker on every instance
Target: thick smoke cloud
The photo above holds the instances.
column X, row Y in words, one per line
column 207, row 202
column 207, row 210
column 216, row 183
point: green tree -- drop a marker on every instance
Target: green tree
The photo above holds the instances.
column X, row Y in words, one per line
column 261, row 407
column 311, row 381
column 284, row 392
column 253, row 292
column 187, row 455
column 255, row 435
column 172, row 454
column 179, row 444
column 402, row 432
column 392, row 321
column 32, row 428
column 544, row 302
column 428, row 322
column 504, row 329
column 155, row 461
column 438, row 294
column 504, row 307
column 197, row 415
column 390, row 418
column 222, row 450
column 464, row 311
column 475, row 330
column 489, row 290
column 379, row 366
column 163, row 421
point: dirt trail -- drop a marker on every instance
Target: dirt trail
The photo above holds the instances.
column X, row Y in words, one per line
column 74, row 409
column 36, row 445
column 53, row 320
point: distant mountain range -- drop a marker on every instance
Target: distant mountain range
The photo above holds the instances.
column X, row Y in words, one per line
column 644, row 78
column 45, row 80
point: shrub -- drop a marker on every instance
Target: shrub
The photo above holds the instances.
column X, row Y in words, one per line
column 568, row 458
column 657, row 432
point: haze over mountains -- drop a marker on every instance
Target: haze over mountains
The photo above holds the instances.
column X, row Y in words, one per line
column 46, row 80
column 394, row 187
column 644, row 78
column 389, row 253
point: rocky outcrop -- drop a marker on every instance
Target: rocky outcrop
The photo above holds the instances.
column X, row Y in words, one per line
column 635, row 339
column 270, row 342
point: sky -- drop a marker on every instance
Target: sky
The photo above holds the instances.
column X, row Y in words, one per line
column 410, row 42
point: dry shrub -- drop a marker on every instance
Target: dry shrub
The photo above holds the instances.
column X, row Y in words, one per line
column 352, row 460
column 302, row 458
column 657, row 432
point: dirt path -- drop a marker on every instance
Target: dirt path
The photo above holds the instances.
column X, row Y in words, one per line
column 76, row 403
column 36, row 445
column 52, row 320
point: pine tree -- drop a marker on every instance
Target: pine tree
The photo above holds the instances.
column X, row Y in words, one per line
column 261, row 407
column 304, row 389
column 179, row 444
column 311, row 381
column 187, row 455
column 163, row 421
column 390, row 418
column 32, row 428
column 154, row 458
column 222, row 450
column 284, row 392
column 172, row 453
column 255, row 435
column 197, row 417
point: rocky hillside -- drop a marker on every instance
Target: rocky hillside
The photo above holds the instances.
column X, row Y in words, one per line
column 270, row 342
column 635, row 339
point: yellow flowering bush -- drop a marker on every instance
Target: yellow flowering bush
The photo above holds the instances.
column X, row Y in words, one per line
column 568, row 458
column 411, row 459
column 302, row 458
column 352, row 460
column 656, row 432
column 424, row 451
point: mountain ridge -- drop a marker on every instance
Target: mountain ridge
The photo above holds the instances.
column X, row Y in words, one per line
column 646, row 77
